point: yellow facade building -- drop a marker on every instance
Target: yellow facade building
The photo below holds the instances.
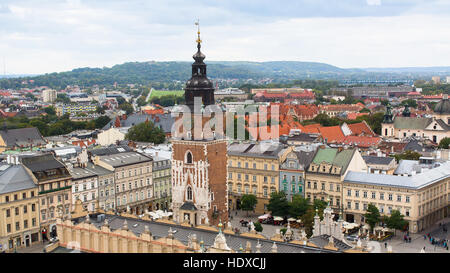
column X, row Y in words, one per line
column 254, row 169
column 327, row 171
column 19, row 208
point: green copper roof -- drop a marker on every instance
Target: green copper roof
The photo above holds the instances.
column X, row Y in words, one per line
column 411, row 123
column 325, row 155
column 334, row 157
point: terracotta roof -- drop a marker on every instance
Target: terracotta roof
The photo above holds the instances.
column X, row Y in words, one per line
column 362, row 141
column 332, row 133
column 353, row 116
column 361, row 128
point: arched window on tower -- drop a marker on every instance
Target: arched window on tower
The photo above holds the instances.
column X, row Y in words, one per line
column 189, row 193
column 189, row 157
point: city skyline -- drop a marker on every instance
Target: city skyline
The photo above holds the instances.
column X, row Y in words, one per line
column 57, row 36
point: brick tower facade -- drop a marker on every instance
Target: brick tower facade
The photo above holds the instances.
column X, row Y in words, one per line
column 199, row 162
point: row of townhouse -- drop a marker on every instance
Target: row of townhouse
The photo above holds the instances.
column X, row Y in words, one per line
column 35, row 190
column 342, row 177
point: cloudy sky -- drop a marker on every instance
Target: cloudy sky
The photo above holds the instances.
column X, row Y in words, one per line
column 59, row 35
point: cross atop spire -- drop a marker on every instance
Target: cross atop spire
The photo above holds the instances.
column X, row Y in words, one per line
column 197, row 23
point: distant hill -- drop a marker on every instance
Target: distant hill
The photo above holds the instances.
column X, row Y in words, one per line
column 167, row 72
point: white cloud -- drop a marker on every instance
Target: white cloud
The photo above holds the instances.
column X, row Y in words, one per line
column 70, row 34
column 373, row 2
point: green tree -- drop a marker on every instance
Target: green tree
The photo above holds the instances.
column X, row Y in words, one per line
column 127, row 107
column 258, row 226
column 50, row 110
column 410, row 102
column 248, row 202
column 146, row 132
column 444, row 143
column 408, row 155
column 278, row 204
column 372, row 216
column 298, row 206
column 396, row 221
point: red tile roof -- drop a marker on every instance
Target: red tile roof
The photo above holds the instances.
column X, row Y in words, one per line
column 361, row 128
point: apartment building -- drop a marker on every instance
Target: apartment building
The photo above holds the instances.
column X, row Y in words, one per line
column 292, row 172
column 162, row 185
column 327, row 171
column 254, row 169
column 132, row 179
column 423, row 198
column 19, row 208
column 54, row 182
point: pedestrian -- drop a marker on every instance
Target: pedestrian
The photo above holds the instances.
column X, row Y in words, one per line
column 409, row 239
column 385, row 245
column 424, row 237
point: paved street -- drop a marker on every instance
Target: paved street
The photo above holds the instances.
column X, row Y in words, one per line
column 398, row 246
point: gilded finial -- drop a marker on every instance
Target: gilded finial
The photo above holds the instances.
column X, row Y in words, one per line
column 199, row 41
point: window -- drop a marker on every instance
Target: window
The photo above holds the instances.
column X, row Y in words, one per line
column 381, row 196
column 8, row 228
column 365, row 194
column 338, row 188
column 17, row 211
column 239, row 164
column 8, row 213
column 189, row 157
column 323, row 186
column 33, row 222
column 390, row 197
column 407, row 212
column 25, row 209
column 373, row 195
column 25, row 224
column 15, row 197
column 254, row 165
column 338, row 202
column 6, row 199
column 24, row 195
column 230, row 163
column 44, row 215
column 265, row 166
column 356, row 206
column 246, row 165
column 331, row 187
column 272, row 180
column 230, row 175
column 349, row 205
column 33, row 207
column 315, row 185
column 265, row 179
column 273, row 167
column 300, row 189
column 399, row 198
column 365, row 206
column 17, row 226
column 238, row 176
column 407, row 199
column 189, row 193
column 309, row 185
column 265, row 192
column 349, row 192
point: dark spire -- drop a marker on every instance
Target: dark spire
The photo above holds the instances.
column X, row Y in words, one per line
column 388, row 115
column 199, row 85
column 406, row 112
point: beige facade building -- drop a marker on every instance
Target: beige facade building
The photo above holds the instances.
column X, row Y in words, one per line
column 19, row 208
column 132, row 178
column 54, row 182
column 423, row 198
column 49, row 95
column 254, row 169
column 110, row 136
column 326, row 173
